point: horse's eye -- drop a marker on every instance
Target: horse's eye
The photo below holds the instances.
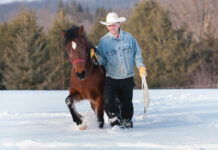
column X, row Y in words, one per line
column 74, row 45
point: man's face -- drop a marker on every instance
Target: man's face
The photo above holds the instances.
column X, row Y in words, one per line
column 114, row 28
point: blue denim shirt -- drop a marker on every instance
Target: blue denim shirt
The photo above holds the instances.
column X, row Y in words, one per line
column 119, row 56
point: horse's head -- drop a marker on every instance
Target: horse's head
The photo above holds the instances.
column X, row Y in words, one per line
column 76, row 47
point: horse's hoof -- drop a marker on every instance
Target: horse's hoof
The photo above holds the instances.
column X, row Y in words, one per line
column 101, row 125
column 82, row 126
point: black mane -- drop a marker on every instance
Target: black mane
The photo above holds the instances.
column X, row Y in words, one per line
column 71, row 34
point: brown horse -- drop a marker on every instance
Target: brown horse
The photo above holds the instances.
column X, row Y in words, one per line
column 86, row 79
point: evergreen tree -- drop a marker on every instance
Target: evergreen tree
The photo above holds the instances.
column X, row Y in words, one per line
column 161, row 45
column 100, row 12
column 59, row 63
column 80, row 8
column 98, row 29
column 3, row 43
column 67, row 7
column 25, row 56
column 74, row 8
column 88, row 14
column 60, row 5
column 203, row 63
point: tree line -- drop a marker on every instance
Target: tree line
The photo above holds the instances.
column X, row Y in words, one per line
column 34, row 59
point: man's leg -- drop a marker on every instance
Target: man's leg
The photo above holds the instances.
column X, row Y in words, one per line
column 110, row 101
column 126, row 106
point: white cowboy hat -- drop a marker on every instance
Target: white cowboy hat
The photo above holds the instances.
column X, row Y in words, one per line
column 112, row 18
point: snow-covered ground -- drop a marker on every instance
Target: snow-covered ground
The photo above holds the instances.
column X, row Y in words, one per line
column 176, row 120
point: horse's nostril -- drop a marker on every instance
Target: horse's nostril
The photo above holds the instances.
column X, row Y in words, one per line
column 81, row 75
column 77, row 74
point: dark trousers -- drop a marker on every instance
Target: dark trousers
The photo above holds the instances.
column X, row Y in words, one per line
column 118, row 97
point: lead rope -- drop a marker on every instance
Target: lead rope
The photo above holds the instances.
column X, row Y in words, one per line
column 145, row 94
column 90, row 70
column 94, row 63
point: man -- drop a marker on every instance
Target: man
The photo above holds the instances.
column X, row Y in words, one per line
column 118, row 51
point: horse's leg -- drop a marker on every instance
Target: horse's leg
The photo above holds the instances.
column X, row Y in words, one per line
column 93, row 106
column 100, row 111
column 70, row 104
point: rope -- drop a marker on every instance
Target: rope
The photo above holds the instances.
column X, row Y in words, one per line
column 145, row 94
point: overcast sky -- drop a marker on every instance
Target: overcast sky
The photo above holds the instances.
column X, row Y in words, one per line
column 9, row 1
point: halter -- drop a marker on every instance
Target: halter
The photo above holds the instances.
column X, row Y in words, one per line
column 94, row 62
column 78, row 60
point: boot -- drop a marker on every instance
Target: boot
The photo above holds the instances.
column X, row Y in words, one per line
column 116, row 120
column 127, row 123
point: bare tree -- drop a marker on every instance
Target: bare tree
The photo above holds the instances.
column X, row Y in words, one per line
column 199, row 16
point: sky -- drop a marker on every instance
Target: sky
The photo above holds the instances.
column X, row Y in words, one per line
column 9, row 1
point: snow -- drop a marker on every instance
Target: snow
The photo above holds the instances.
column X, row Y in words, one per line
column 176, row 120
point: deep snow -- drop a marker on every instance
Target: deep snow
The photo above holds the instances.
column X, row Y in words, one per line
column 176, row 120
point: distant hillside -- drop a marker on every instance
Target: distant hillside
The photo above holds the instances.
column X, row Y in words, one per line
column 8, row 10
column 192, row 13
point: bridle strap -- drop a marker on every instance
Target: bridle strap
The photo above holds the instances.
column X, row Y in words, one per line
column 94, row 62
column 78, row 60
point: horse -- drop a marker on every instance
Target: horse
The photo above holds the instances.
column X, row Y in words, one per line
column 87, row 77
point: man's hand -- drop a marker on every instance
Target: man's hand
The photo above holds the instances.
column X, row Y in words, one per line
column 142, row 70
column 93, row 54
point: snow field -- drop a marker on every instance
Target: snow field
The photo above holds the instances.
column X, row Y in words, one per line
column 176, row 120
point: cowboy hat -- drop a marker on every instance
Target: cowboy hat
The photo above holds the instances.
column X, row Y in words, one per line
column 112, row 18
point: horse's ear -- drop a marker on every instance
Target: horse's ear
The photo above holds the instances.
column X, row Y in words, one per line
column 63, row 33
column 81, row 30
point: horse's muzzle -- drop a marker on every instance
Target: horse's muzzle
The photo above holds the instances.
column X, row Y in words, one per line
column 81, row 75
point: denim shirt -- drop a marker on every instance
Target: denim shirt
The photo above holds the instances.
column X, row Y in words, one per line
column 119, row 56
